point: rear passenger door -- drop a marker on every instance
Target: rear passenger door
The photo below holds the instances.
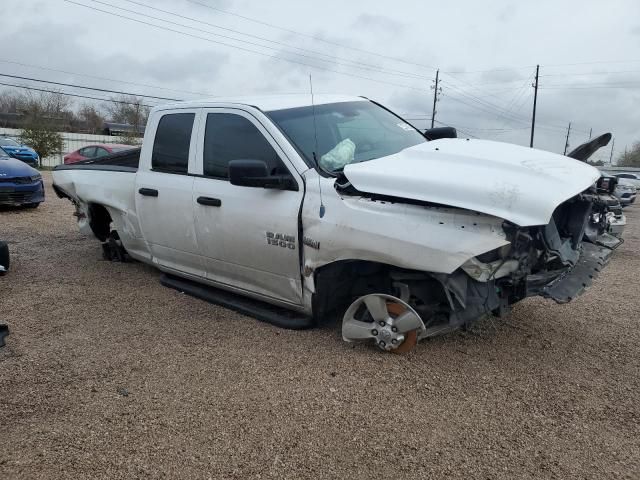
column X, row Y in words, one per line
column 249, row 235
column 164, row 192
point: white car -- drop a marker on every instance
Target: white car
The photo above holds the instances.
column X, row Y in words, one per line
column 625, row 191
column 630, row 178
column 335, row 204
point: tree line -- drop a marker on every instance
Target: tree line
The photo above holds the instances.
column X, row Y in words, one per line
column 42, row 116
column 630, row 158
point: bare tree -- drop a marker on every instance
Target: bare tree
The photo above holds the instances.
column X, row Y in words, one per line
column 630, row 158
column 46, row 105
column 9, row 101
column 45, row 114
column 129, row 110
column 91, row 117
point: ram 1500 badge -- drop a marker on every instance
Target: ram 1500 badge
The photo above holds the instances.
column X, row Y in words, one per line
column 402, row 237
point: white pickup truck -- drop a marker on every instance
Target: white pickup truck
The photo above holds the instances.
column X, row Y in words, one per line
column 312, row 207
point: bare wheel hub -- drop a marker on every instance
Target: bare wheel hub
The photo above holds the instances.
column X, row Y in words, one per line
column 385, row 320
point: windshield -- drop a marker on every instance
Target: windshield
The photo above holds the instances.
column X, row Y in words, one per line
column 348, row 132
column 7, row 142
column 120, row 149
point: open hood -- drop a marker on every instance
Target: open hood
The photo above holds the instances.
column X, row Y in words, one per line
column 521, row 185
column 586, row 150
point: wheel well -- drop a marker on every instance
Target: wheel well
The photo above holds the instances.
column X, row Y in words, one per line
column 339, row 283
column 99, row 221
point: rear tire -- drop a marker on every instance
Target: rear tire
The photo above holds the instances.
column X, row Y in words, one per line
column 4, row 256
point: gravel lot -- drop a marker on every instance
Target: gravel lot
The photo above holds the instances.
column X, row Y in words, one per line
column 107, row 374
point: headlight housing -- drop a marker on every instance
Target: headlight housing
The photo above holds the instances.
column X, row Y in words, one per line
column 35, row 178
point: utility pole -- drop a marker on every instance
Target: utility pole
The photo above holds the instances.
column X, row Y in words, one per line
column 613, row 142
column 435, row 97
column 535, row 101
column 566, row 144
column 590, row 132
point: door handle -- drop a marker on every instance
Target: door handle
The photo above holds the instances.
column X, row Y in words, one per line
column 149, row 192
column 211, row 202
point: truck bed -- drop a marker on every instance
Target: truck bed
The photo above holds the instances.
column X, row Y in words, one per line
column 121, row 161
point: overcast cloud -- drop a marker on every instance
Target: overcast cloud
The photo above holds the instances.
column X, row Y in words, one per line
column 584, row 48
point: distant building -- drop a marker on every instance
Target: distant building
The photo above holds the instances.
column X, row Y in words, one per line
column 120, row 129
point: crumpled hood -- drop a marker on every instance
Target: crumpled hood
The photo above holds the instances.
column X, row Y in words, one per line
column 12, row 167
column 519, row 184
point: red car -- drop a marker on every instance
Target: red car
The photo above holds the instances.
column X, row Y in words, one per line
column 95, row 151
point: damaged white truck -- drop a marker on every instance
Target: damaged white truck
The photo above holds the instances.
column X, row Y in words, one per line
column 296, row 210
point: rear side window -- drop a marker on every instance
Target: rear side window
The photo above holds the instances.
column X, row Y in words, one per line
column 232, row 137
column 171, row 145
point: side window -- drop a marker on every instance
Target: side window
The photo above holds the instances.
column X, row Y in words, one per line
column 88, row 152
column 171, row 145
column 232, row 137
column 101, row 152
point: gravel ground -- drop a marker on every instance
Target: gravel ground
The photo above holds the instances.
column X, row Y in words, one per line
column 107, row 374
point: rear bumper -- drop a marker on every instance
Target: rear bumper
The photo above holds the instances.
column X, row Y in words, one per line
column 16, row 195
column 566, row 285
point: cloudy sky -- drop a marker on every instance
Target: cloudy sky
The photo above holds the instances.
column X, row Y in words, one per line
column 589, row 53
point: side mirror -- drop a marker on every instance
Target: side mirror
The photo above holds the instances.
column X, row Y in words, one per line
column 254, row 173
column 440, row 132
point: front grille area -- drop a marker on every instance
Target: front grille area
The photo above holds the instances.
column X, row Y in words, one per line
column 17, row 180
column 16, row 197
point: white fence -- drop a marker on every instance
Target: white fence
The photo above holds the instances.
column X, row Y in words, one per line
column 72, row 142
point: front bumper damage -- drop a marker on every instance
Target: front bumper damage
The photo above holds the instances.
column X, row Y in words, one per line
column 568, row 284
column 558, row 261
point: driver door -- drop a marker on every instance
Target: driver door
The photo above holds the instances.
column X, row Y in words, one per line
column 248, row 235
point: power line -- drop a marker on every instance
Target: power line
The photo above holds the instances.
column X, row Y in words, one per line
column 462, row 72
column 74, row 95
column 458, row 129
column 12, row 62
column 589, row 87
column 242, row 48
column 597, row 62
column 314, row 37
column 18, row 77
column 617, row 72
column 488, row 106
column 208, row 32
column 331, row 58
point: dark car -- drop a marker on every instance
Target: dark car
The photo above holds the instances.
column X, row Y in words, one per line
column 21, row 152
column 20, row 184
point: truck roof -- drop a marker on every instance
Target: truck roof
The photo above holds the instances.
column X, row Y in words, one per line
column 266, row 102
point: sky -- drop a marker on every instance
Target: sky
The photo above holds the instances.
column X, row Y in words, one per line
column 486, row 51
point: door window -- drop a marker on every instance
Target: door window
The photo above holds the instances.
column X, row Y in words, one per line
column 88, row 152
column 171, row 145
column 101, row 152
column 233, row 137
